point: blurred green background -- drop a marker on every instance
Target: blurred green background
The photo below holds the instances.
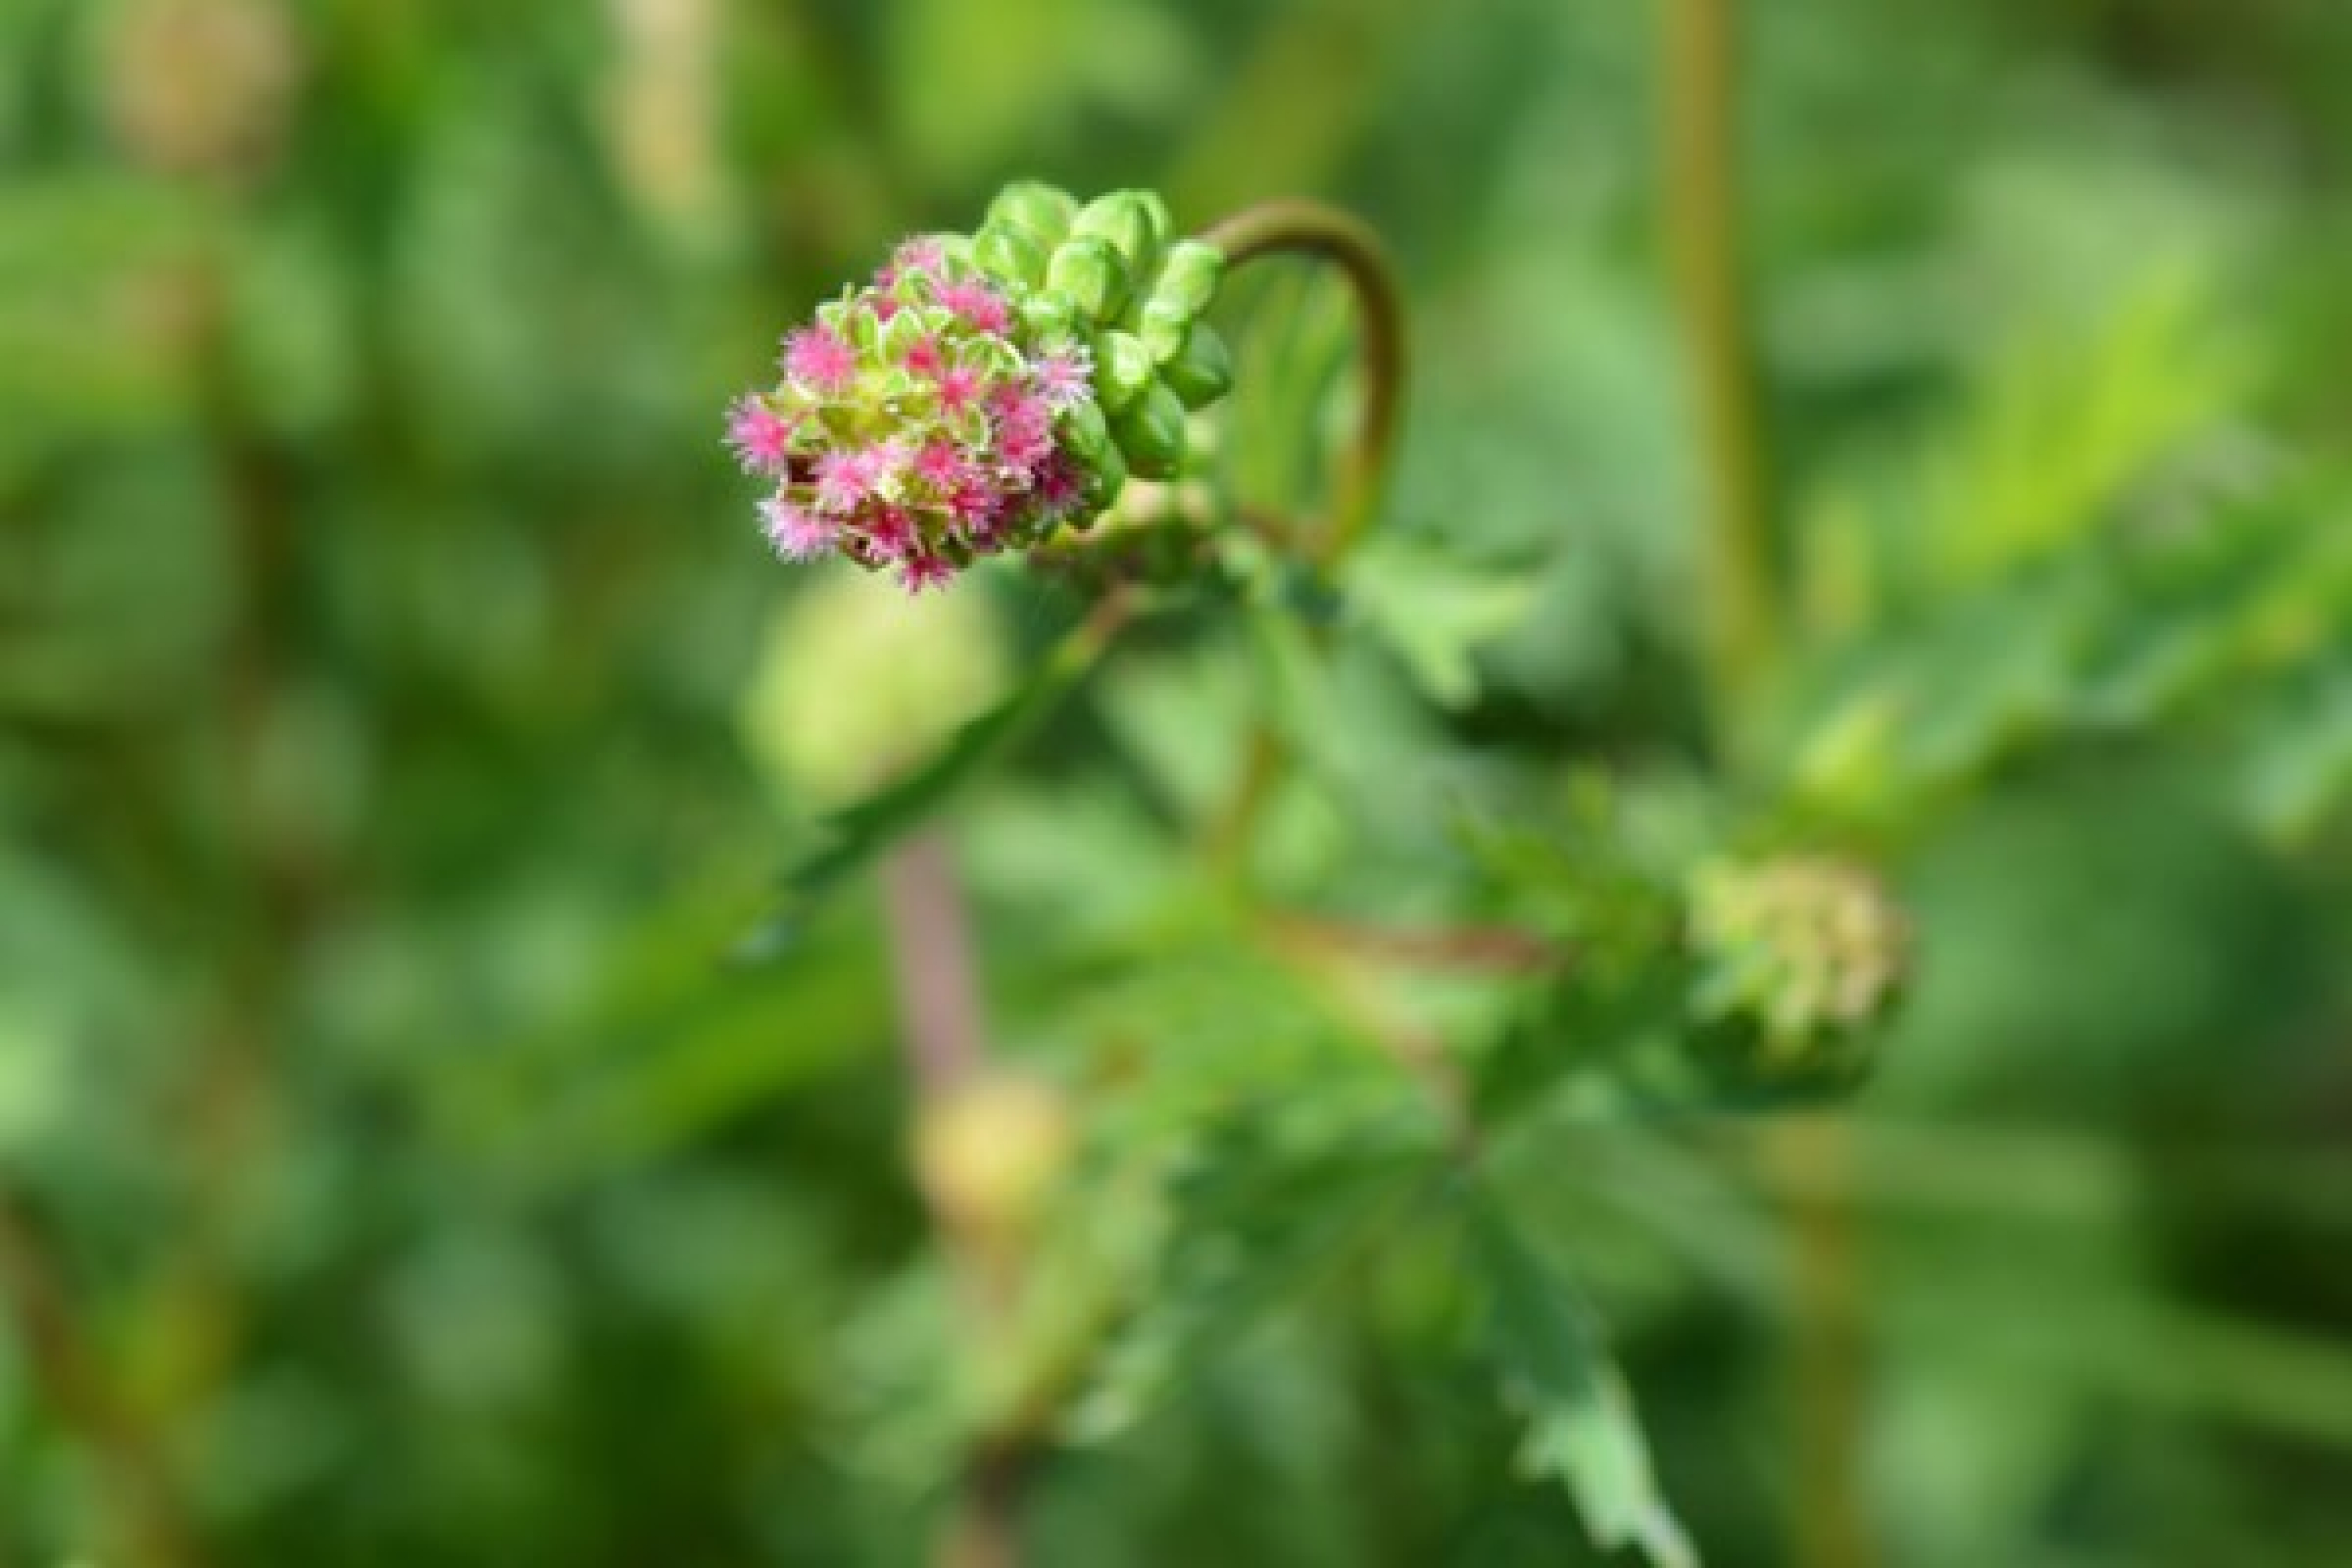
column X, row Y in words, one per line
column 394, row 1171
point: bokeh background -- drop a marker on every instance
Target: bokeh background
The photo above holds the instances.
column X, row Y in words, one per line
column 394, row 1170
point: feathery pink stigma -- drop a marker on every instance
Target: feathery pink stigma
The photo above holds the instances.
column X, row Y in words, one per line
column 919, row 256
column 920, row 572
column 1058, row 486
column 1024, row 432
column 940, row 466
column 796, row 533
column 961, row 387
column 978, row 304
column 845, row 478
column 889, row 534
column 759, row 436
column 817, row 356
column 971, row 504
column 1063, row 378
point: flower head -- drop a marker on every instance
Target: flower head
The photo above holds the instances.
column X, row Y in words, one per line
column 951, row 407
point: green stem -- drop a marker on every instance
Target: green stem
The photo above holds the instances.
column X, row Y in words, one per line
column 1310, row 229
column 1698, row 59
column 1699, row 55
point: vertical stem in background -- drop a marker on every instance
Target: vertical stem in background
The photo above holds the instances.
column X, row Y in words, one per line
column 939, row 999
column 138, row 1483
column 946, row 1050
column 1698, row 59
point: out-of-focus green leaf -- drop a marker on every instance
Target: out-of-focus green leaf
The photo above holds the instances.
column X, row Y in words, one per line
column 1582, row 1429
column 850, row 839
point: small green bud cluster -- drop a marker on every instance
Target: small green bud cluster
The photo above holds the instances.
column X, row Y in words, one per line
column 1110, row 274
column 1801, row 956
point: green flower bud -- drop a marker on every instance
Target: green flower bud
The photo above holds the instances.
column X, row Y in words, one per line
column 1086, row 432
column 1123, row 369
column 1202, row 371
column 1189, row 279
column 1050, row 315
column 1038, row 210
column 1132, row 223
column 1089, row 272
column 1163, row 328
column 1151, row 434
column 1109, row 477
column 1801, row 959
column 1009, row 255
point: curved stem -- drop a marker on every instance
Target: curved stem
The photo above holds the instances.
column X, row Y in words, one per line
column 1310, row 229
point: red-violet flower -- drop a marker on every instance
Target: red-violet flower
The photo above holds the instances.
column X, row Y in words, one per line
column 921, row 572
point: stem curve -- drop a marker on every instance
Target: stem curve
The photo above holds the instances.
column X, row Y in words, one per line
column 1310, row 229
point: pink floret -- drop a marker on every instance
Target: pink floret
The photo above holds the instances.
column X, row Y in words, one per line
column 817, row 357
column 980, row 306
column 920, row 571
column 1063, row 378
column 1058, row 486
column 961, row 387
column 797, row 533
column 918, row 257
column 845, row 478
column 759, row 436
column 889, row 534
column 941, row 467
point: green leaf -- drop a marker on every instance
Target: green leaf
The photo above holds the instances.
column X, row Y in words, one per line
column 1581, row 1427
column 1435, row 612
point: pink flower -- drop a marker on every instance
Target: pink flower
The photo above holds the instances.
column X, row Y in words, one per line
column 1025, row 428
column 918, row 571
column 890, row 533
column 845, row 478
column 941, row 467
column 972, row 504
column 796, row 533
column 979, row 305
column 924, row 359
column 1063, row 378
column 1059, row 488
column 760, row 437
column 884, row 307
column 817, row 356
column 918, row 258
column 961, row 387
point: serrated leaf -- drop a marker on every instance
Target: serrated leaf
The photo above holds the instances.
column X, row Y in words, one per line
column 1435, row 612
column 1581, row 1427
